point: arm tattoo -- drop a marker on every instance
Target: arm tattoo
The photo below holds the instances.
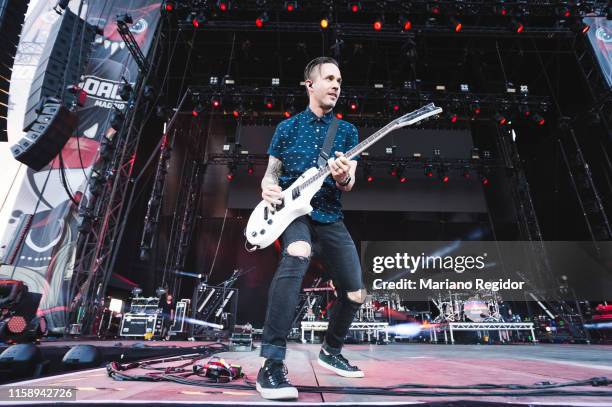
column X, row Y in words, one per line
column 274, row 170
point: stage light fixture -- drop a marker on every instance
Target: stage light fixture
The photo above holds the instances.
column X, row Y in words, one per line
column 324, row 23
column 475, row 108
column 287, row 114
column 269, row 102
column 393, row 170
column 453, row 117
column 400, row 174
column 197, row 20
column 261, row 20
column 215, row 101
column 116, row 119
column 197, row 110
column 16, row 324
column 367, row 173
column 168, row 6
column 580, row 27
column 405, row 23
column 455, row 24
column 428, row 171
column 213, row 80
column 434, row 8
column 500, row 9
column 353, row 104
column 291, row 6
column 539, row 120
column 378, row 23
column 339, row 116
column 354, row 6
column 250, row 168
column 500, row 118
column 564, row 12
column 231, row 171
column 524, row 110
column 443, row 175
column 223, row 5
column 125, row 91
column 484, row 176
column 516, row 26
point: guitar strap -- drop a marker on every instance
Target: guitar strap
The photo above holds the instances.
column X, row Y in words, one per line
column 327, row 145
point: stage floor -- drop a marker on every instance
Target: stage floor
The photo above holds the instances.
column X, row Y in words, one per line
column 384, row 365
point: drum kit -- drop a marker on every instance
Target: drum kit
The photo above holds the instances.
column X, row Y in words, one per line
column 479, row 306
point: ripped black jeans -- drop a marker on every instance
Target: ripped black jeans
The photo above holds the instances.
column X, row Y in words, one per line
column 339, row 256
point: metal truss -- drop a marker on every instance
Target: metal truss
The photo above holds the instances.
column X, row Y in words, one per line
column 97, row 247
column 529, row 230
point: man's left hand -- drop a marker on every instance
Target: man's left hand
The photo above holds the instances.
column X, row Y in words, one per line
column 339, row 167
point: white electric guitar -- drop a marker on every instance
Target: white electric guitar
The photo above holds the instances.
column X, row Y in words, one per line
column 267, row 223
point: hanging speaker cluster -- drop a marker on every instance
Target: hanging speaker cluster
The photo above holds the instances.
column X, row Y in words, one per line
column 12, row 15
column 47, row 135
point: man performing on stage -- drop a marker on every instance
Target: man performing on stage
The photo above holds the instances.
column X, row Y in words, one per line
column 295, row 147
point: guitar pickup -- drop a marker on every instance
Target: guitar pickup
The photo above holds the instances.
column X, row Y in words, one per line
column 295, row 193
column 280, row 205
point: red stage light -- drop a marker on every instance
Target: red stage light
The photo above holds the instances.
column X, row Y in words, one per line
column 195, row 23
column 458, row 27
column 393, row 172
column 485, row 181
column 435, row 10
column 290, row 7
column 520, row 28
column 353, row 106
column 477, row 110
column 377, row 25
column 454, row 118
column 169, row 6
column 354, row 8
column 216, row 103
column 287, row 114
column 17, row 324
column 403, row 179
column 230, row 176
column 339, row 116
column 586, row 28
column 236, row 113
column 396, row 107
column 370, row 178
column 269, row 105
column 223, row 6
column 259, row 22
column 504, row 12
column 445, row 178
column 194, row 113
column 407, row 26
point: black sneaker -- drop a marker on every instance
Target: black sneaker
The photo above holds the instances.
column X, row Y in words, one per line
column 339, row 365
column 272, row 382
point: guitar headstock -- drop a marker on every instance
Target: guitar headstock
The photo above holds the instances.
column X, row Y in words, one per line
column 418, row 115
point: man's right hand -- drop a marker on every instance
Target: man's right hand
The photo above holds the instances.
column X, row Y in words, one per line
column 272, row 194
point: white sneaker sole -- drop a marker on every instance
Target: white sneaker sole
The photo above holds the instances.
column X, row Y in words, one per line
column 284, row 393
column 340, row 372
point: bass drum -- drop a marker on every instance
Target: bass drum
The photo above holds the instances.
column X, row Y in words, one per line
column 475, row 310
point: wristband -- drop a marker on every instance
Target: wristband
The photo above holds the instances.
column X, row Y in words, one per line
column 346, row 181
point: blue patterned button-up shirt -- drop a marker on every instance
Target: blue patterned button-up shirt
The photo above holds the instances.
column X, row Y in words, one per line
column 297, row 142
